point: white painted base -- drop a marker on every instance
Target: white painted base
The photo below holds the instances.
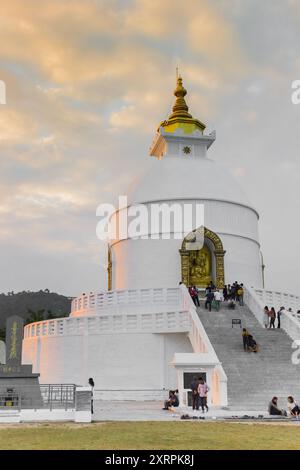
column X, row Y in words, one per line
column 131, row 395
column 10, row 416
column 47, row 415
column 83, row 416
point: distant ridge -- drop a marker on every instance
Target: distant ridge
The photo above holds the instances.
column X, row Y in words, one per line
column 28, row 304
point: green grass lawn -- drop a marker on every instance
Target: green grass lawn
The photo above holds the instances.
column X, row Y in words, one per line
column 150, row 435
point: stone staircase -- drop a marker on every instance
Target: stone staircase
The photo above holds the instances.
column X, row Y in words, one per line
column 253, row 379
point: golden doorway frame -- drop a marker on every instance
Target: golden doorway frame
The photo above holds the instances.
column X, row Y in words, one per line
column 218, row 252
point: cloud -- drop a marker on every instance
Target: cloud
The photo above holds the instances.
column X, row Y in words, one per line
column 89, row 81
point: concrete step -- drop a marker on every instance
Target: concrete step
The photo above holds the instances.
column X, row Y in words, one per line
column 252, row 378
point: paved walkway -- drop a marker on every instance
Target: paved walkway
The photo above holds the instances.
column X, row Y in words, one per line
column 131, row 411
column 152, row 411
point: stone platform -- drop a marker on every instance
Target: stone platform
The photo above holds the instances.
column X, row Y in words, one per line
column 152, row 411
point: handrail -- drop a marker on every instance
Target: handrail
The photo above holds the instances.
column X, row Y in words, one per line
column 155, row 322
column 257, row 299
column 162, row 310
column 117, row 300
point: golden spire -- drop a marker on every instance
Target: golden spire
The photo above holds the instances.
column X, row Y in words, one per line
column 181, row 118
column 180, row 108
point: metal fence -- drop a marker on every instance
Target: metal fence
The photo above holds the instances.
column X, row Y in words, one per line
column 47, row 396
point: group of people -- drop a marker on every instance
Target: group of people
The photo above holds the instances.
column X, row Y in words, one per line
column 213, row 296
column 234, row 292
column 293, row 409
column 200, row 390
column 270, row 316
column 249, row 342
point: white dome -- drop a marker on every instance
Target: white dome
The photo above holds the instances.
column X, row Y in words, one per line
column 183, row 178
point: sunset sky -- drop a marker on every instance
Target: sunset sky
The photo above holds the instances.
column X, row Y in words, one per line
column 87, row 83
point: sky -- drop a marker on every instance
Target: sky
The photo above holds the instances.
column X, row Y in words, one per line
column 88, row 81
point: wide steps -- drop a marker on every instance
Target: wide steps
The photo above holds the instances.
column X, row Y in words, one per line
column 252, row 378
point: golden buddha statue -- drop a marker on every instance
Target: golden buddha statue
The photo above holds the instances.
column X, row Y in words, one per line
column 200, row 267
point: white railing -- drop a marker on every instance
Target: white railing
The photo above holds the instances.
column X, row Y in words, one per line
column 197, row 333
column 278, row 299
column 117, row 301
column 255, row 304
column 162, row 310
column 257, row 299
column 183, row 318
column 174, row 322
column 291, row 325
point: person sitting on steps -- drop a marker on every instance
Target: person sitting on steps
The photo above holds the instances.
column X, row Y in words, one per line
column 252, row 344
column 273, row 408
column 293, row 408
column 173, row 401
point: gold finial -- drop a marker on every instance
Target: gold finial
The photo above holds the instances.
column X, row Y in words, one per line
column 180, row 116
column 180, row 108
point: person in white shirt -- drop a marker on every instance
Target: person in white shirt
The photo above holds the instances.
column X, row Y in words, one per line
column 293, row 408
column 218, row 298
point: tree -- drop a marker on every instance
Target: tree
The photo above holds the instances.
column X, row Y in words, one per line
column 35, row 316
column 50, row 315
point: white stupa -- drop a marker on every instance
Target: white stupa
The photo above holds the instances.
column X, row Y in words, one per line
column 183, row 173
column 143, row 336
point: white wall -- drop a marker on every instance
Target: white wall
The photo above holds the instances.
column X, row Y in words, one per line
column 148, row 263
column 115, row 361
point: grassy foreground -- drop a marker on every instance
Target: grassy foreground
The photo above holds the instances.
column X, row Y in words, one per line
column 150, row 435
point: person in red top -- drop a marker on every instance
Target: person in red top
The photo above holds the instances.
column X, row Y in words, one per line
column 272, row 315
column 194, row 294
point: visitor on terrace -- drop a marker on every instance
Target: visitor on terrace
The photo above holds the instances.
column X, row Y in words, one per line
column 240, row 295
column 225, row 293
column 92, row 385
column 293, row 408
column 196, row 290
column 194, row 294
column 195, row 395
column 279, row 313
column 209, row 298
column 272, row 315
column 203, row 389
column 217, row 299
column 273, row 408
column 232, row 292
column 266, row 316
column 212, row 286
column 245, row 336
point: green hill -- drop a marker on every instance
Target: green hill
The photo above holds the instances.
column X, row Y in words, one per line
column 33, row 306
